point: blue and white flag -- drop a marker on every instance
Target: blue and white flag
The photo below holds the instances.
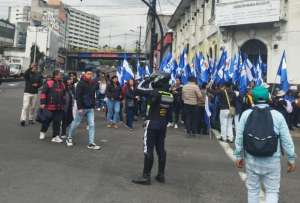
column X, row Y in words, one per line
column 282, row 73
column 186, row 74
column 196, row 71
column 218, row 76
column 127, row 72
column 182, row 62
column 236, row 64
column 120, row 74
column 243, row 83
column 259, row 73
column 147, row 71
column 174, row 71
column 249, row 67
column 204, row 75
column 207, row 114
column 167, row 64
column 140, row 72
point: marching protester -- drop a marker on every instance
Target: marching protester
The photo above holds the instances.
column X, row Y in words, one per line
column 202, row 129
column 68, row 107
column 156, row 88
column 130, row 103
column 178, row 103
column 227, row 111
column 52, row 98
column 85, row 99
column 191, row 95
column 262, row 134
column 114, row 96
column 101, row 93
column 33, row 81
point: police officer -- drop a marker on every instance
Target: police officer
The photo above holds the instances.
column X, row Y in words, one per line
column 156, row 89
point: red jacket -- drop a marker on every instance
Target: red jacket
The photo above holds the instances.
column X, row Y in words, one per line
column 53, row 95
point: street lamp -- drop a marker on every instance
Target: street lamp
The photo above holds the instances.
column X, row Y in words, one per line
column 139, row 40
column 153, row 10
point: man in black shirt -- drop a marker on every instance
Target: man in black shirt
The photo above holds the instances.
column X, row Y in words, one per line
column 33, row 81
column 159, row 101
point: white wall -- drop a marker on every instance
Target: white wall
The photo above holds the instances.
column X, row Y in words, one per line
column 48, row 42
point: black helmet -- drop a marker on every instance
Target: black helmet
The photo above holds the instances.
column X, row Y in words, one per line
column 160, row 80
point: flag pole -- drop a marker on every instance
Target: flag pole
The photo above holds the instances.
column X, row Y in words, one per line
column 274, row 84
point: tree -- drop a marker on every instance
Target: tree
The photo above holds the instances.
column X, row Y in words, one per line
column 119, row 48
column 39, row 55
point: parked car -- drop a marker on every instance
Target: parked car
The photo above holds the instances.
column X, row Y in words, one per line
column 15, row 70
column 4, row 71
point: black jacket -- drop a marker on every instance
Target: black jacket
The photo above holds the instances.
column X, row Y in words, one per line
column 30, row 79
column 223, row 103
column 130, row 97
column 114, row 92
column 158, row 108
column 85, row 94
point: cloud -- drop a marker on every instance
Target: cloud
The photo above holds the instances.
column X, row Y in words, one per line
column 117, row 16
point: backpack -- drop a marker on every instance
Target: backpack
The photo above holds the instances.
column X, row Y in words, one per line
column 260, row 139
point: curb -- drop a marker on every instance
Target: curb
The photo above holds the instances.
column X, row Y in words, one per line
column 11, row 79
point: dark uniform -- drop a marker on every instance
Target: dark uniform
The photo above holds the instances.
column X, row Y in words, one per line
column 159, row 102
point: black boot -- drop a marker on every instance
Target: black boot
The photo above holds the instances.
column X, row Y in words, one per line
column 161, row 168
column 160, row 178
column 145, row 179
column 23, row 123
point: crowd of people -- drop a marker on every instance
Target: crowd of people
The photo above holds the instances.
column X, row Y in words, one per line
column 65, row 100
column 69, row 99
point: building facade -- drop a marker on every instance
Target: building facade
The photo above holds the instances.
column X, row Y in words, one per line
column 20, row 17
column 265, row 27
column 7, row 32
column 19, row 14
column 83, row 29
column 167, row 38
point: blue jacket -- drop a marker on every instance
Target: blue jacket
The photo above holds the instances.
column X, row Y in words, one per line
column 280, row 128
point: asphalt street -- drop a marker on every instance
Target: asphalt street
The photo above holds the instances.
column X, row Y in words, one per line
column 34, row 171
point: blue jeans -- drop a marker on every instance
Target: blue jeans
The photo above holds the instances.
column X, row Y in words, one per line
column 100, row 100
column 113, row 114
column 130, row 116
column 89, row 113
column 264, row 173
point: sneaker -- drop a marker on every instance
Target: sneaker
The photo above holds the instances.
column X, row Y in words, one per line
column 63, row 137
column 115, row 126
column 42, row 136
column 175, row 126
column 56, row 139
column 69, row 142
column 109, row 125
column 93, row 146
column 169, row 125
column 98, row 109
column 31, row 122
column 22, row 123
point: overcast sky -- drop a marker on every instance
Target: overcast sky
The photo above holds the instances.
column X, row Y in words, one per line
column 117, row 16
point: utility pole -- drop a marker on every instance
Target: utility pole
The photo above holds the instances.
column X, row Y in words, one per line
column 35, row 45
column 153, row 40
column 139, row 42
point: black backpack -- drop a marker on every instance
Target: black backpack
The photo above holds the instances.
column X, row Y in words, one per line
column 260, row 139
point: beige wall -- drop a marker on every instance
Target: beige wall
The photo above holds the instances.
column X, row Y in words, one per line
column 286, row 34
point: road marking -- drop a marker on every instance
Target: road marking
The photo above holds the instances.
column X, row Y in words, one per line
column 12, row 84
column 229, row 151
